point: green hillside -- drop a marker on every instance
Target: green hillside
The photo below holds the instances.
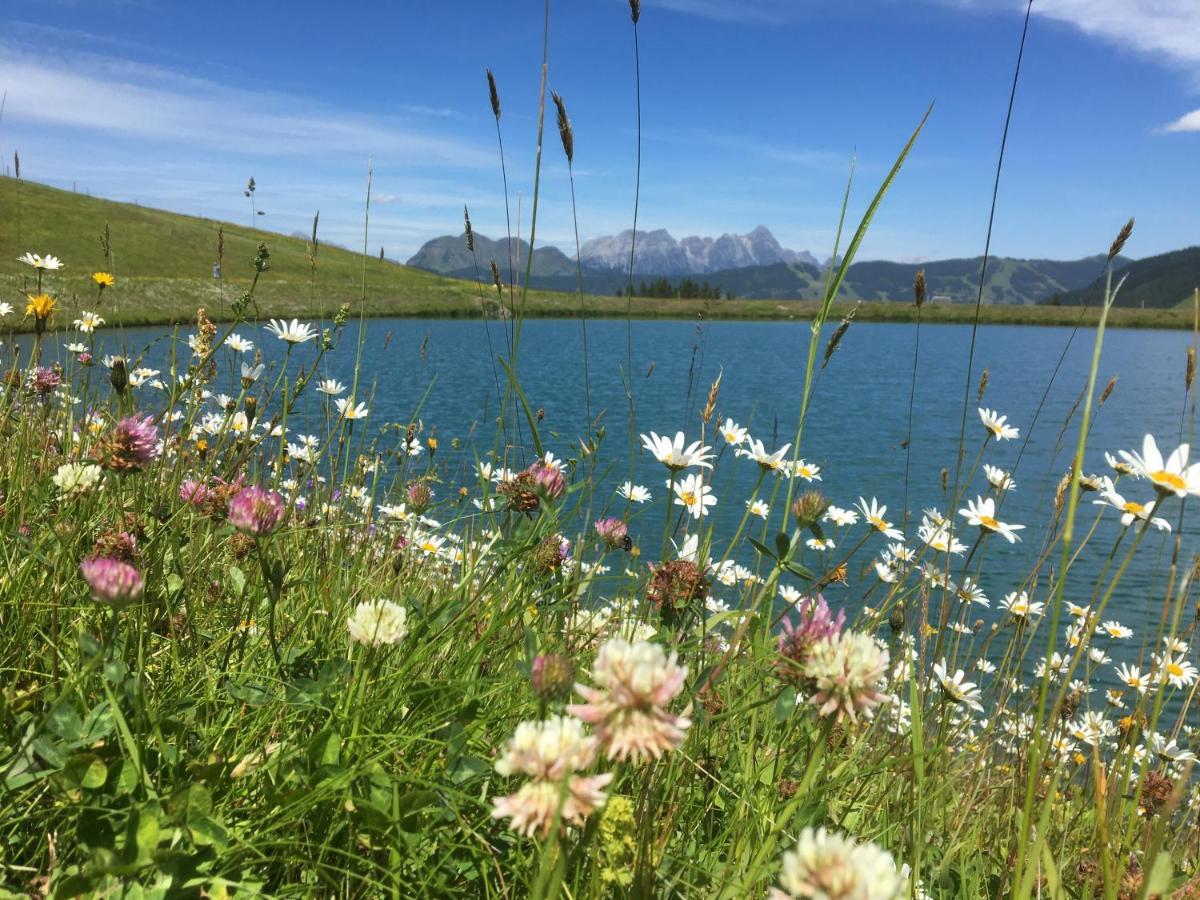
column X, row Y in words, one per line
column 1156, row 282
column 163, row 263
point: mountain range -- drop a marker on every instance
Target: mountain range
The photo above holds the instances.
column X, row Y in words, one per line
column 756, row 265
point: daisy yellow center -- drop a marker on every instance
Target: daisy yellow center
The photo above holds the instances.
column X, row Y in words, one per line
column 429, row 547
column 1168, row 479
column 878, row 523
column 1136, row 508
column 1174, row 669
column 989, row 522
column 995, row 429
column 688, row 498
column 805, row 471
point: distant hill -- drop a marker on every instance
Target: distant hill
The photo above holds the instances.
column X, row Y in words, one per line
column 1156, row 282
column 799, row 276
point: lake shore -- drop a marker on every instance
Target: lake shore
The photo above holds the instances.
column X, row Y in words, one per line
column 166, row 301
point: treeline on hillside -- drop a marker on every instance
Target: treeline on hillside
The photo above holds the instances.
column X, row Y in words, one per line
column 688, row 289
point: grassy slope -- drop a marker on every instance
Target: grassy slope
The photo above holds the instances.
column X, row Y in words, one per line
column 163, row 262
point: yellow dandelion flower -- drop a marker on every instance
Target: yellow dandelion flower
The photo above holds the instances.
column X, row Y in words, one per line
column 103, row 279
column 40, row 306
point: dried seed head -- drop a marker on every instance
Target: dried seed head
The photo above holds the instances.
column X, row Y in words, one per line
column 1156, row 791
column 711, row 405
column 945, row 478
column 493, row 94
column 1119, row 244
column 467, row 226
column 564, row 127
column 1189, row 374
column 983, row 383
column 1108, row 389
column 919, row 288
column 1060, row 492
column 313, row 246
column 496, row 276
column 838, row 334
column 635, row 10
column 17, row 163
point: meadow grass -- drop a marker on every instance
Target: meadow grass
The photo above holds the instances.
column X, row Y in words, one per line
column 241, row 660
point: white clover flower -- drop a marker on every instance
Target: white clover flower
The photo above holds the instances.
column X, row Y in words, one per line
column 826, row 865
column 848, row 670
column 73, row 479
column 628, row 708
column 378, row 622
column 549, row 753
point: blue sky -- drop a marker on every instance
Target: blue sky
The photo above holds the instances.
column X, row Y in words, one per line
column 752, row 111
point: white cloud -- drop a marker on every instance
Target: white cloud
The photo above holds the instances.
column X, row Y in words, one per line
column 118, row 97
column 1188, row 122
column 1166, row 29
column 768, row 11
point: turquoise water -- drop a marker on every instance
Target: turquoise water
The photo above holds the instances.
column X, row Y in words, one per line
column 442, row 372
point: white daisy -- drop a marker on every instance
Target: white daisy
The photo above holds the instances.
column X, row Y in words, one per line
column 674, row 455
column 293, row 332
column 996, row 425
column 982, row 512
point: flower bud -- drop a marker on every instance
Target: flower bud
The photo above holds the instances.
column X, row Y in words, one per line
column 552, row 677
column 809, row 508
column 117, row 376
